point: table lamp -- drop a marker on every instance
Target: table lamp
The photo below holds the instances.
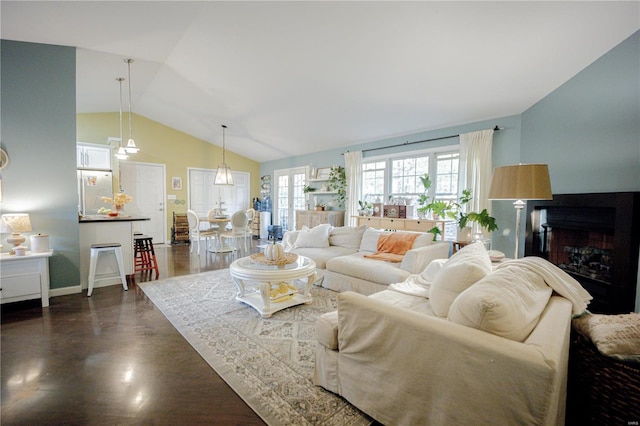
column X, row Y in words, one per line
column 14, row 224
column 520, row 182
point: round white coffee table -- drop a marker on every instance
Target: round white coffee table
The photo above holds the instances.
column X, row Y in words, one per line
column 258, row 284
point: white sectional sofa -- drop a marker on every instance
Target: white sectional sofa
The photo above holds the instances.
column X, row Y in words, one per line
column 339, row 253
column 465, row 342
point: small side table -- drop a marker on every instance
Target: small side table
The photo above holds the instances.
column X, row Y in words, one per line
column 25, row 277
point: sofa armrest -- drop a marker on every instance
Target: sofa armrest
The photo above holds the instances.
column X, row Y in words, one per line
column 416, row 260
column 289, row 239
column 430, row 362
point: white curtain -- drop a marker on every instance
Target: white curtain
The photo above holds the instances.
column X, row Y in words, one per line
column 475, row 169
column 353, row 171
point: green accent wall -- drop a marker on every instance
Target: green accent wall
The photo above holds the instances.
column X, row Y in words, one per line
column 39, row 134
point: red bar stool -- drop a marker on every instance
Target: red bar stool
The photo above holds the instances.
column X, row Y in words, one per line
column 144, row 256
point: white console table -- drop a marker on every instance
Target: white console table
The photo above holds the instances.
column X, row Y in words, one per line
column 25, row 277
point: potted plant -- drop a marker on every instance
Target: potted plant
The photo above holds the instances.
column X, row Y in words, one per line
column 457, row 212
column 308, row 189
column 423, row 199
column 366, row 208
column 320, row 206
column 338, row 182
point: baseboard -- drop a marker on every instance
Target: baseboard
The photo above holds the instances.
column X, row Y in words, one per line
column 64, row 291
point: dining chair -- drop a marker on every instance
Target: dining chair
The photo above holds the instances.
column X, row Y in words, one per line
column 195, row 233
column 239, row 229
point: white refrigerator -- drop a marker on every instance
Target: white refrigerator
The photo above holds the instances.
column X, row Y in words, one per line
column 92, row 186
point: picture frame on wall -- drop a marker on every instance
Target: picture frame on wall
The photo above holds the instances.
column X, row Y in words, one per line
column 176, row 183
column 323, row 173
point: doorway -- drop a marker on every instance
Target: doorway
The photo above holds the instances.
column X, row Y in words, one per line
column 145, row 183
column 289, row 190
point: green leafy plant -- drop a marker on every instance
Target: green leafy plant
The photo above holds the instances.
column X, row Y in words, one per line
column 338, row 182
column 456, row 211
column 423, row 199
column 308, row 189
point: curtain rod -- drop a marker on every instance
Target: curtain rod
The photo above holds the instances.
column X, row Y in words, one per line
column 495, row 129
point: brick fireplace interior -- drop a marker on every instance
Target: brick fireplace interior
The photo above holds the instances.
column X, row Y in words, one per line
column 593, row 237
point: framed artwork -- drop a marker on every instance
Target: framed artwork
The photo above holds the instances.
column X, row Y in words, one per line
column 323, row 173
column 176, row 183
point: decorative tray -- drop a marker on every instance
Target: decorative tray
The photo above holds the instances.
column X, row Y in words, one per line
column 286, row 259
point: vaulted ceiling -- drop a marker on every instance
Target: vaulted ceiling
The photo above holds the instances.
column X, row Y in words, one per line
column 292, row 78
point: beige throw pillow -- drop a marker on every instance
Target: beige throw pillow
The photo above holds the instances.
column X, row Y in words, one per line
column 464, row 268
column 347, row 236
column 317, row 237
column 507, row 303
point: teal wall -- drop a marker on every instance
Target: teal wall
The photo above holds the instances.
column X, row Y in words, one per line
column 39, row 134
column 588, row 130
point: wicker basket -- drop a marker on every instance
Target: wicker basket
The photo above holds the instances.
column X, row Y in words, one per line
column 601, row 390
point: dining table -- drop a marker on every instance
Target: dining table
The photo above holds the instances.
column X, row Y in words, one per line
column 222, row 222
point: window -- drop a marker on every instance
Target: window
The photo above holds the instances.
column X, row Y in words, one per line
column 399, row 177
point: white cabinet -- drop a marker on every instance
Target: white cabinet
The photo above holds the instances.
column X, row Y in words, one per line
column 93, row 156
column 25, row 277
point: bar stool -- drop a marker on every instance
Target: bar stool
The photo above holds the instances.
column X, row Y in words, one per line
column 96, row 249
column 144, row 256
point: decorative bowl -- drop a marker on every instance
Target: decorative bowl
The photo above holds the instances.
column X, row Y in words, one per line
column 113, row 214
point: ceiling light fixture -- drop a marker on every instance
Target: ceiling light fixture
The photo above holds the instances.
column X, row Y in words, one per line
column 122, row 153
column 223, row 175
column 131, row 145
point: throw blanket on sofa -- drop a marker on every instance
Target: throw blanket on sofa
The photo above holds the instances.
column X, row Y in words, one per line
column 392, row 246
column 561, row 282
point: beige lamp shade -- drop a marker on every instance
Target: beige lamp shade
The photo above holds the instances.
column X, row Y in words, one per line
column 521, row 182
column 15, row 223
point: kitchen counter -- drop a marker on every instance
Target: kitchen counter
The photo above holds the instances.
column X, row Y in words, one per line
column 105, row 218
column 99, row 229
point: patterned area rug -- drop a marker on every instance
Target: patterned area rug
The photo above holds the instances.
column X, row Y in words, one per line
column 268, row 362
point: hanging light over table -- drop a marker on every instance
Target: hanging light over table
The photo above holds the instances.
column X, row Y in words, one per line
column 122, row 152
column 131, row 145
column 223, row 175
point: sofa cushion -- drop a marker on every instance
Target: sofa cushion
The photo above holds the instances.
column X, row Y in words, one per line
column 376, row 271
column 424, row 239
column 369, row 241
column 507, row 302
column 322, row 255
column 464, row 268
column 316, row 237
column 347, row 236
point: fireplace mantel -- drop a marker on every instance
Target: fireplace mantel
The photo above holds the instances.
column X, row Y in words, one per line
column 610, row 219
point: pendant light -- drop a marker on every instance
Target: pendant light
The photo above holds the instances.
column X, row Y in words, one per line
column 223, row 175
column 122, row 153
column 131, row 145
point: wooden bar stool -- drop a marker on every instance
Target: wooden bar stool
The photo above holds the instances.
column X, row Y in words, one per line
column 96, row 250
column 144, row 256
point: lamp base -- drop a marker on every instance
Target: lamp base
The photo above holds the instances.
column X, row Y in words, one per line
column 16, row 241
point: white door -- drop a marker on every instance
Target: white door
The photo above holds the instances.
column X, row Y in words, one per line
column 204, row 195
column 289, row 190
column 145, row 183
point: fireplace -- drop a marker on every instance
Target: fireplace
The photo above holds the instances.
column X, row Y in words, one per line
column 593, row 237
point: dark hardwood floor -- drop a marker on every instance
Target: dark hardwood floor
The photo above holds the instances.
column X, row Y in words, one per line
column 112, row 359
